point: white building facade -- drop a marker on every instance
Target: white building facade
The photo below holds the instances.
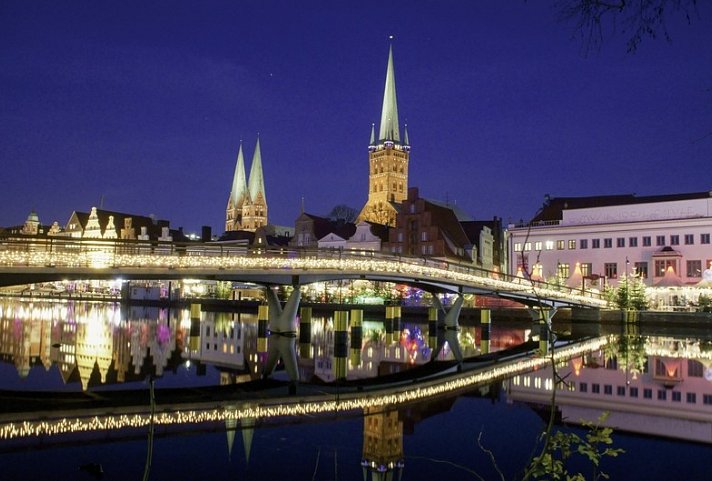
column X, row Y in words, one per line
column 609, row 237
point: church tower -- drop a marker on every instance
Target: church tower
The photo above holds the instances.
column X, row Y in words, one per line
column 247, row 204
column 388, row 157
column 254, row 212
column 238, row 194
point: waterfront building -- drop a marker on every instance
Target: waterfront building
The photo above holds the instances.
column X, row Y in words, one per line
column 247, row 203
column 388, row 157
column 585, row 239
column 310, row 230
column 429, row 228
column 105, row 224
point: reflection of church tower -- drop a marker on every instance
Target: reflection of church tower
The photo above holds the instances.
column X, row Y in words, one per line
column 382, row 445
column 247, row 204
column 388, row 157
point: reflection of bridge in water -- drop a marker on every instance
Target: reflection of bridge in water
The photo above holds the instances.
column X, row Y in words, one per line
column 45, row 260
column 47, row 415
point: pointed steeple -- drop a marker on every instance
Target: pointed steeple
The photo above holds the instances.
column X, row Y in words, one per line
column 373, row 135
column 257, row 181
column 389, row 113
column 405, row 135
column 239, row 181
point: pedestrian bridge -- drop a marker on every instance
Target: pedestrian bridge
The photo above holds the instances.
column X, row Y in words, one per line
column 34, row 260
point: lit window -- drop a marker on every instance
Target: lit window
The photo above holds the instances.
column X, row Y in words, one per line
column 641, row 269
column 528, row 246
column 560, row 245
column 572, row 244
column 549, row 245
column 537, row 246
column 563, row 270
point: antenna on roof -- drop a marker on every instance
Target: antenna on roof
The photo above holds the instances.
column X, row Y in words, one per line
column 302, row 204
column 101, row 202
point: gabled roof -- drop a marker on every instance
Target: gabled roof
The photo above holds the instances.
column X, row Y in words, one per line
column 324, row 226
column 153, row 227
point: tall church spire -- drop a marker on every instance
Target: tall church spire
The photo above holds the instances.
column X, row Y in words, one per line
column 388, row 159
column 239, row 181
column 257, row 181
column 389, row 113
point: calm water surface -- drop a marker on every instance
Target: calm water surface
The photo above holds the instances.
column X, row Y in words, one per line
column 657, row 389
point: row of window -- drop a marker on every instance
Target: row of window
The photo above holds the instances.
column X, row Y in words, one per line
column 694, row 268
column 662, row 394
column 646, row 241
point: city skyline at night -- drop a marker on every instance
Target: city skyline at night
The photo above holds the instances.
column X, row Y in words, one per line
column 145, row 107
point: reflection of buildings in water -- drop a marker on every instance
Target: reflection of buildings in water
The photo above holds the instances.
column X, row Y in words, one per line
column 94, row 343
column 224, row 340
column 88, row 341
column 382, row 456
column 667, row 393
column 25, row 335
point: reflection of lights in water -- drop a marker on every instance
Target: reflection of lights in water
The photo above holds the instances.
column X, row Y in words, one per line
column 288, row 407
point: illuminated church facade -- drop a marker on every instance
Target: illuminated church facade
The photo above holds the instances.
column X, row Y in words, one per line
column 388, row 157
column 247, row 203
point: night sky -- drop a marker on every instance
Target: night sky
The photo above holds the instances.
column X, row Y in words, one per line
column 144, row 104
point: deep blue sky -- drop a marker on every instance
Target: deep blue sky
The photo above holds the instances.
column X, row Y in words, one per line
column 144, row 103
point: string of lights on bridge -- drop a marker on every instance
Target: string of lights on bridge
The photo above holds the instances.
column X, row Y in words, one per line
column 295, row 407
column 105, row 258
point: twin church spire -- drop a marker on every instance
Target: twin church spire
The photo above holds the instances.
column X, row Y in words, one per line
column 247, row 204
column 388, row 157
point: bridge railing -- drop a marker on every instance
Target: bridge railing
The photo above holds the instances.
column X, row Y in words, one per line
column 102, row 253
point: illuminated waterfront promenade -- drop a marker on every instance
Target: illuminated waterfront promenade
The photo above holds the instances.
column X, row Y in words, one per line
column 309, row 400
column 55, row 260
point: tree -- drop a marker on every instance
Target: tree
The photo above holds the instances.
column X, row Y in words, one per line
column 630, row 294
column 638, row 19
column 343, row 212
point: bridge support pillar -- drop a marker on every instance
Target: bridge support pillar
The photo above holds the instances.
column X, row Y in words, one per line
column 356, row 336
column 388, row 324
column 341, row 346
column 449, row 328
column 433, row 327
column 485, row 325
column 305, row 325
column 282, row 333
column 542, row 317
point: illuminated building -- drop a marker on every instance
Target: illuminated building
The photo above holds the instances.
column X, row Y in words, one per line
column 611, row 236
column 388, row 157
column 105, row 224
column 247, row 204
